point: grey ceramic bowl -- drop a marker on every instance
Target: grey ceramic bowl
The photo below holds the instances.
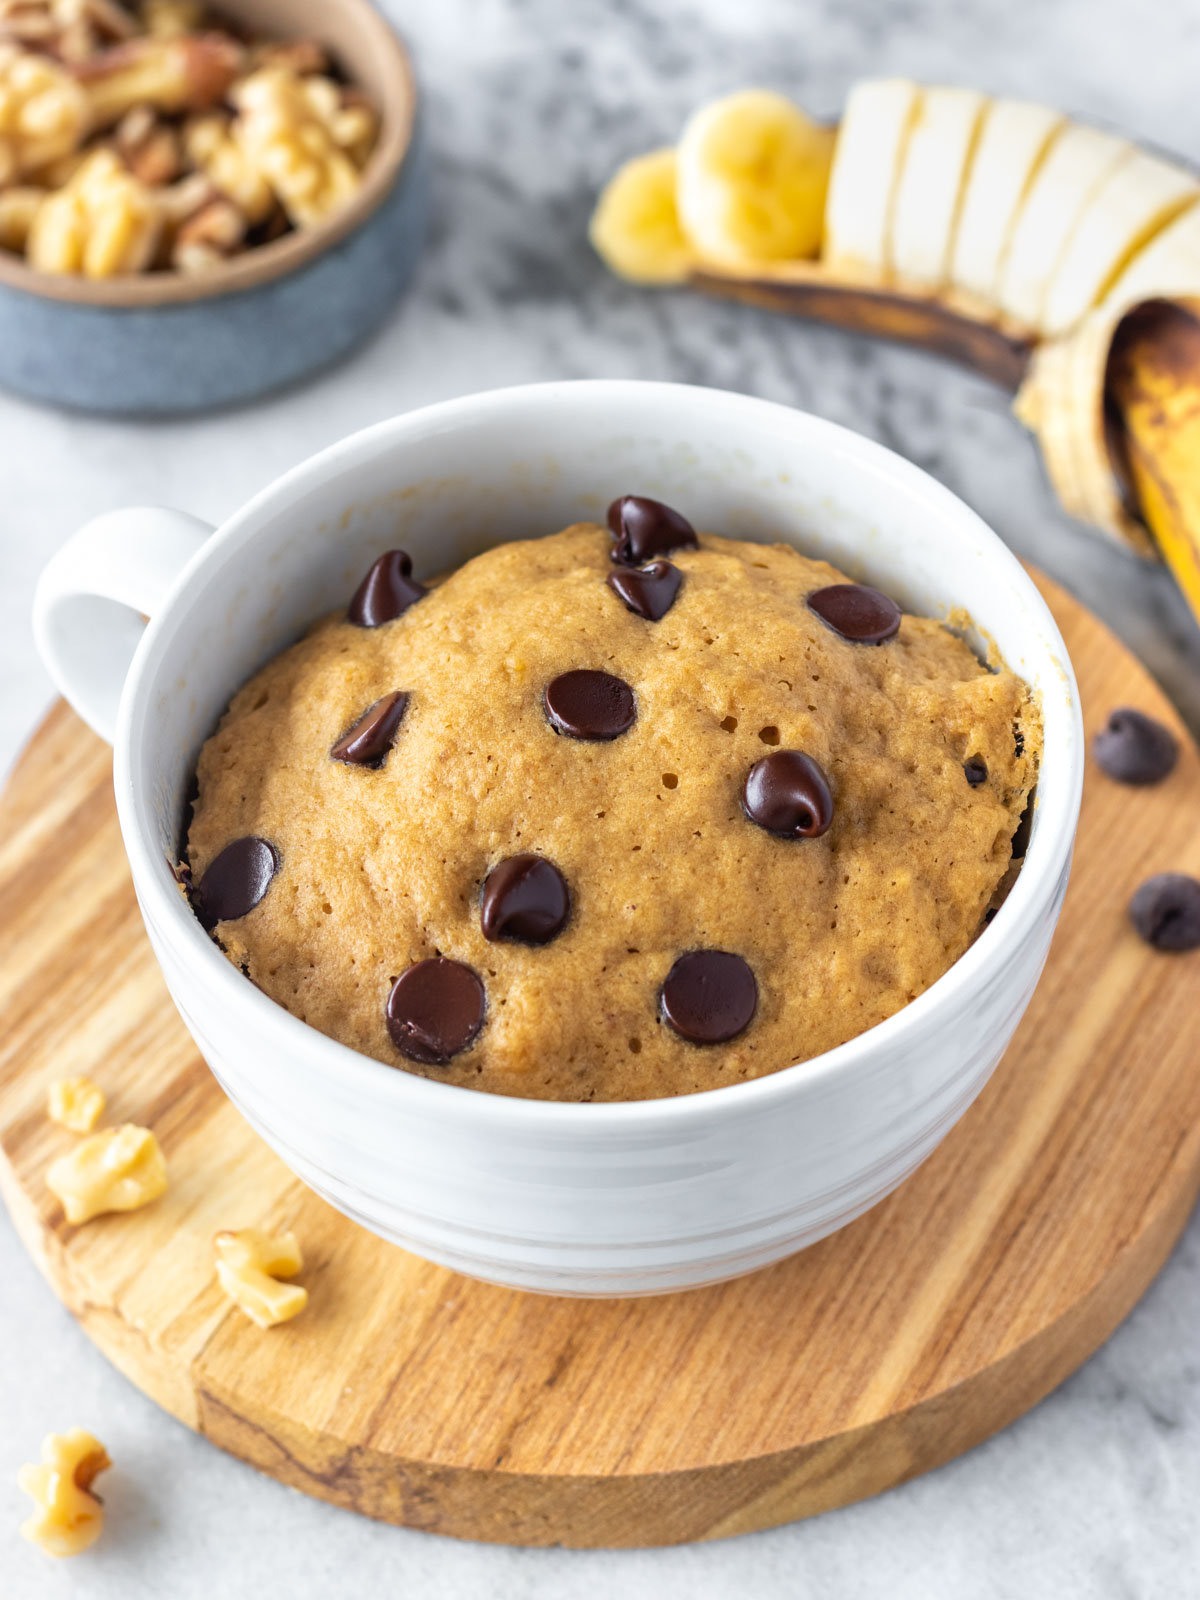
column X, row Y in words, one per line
column 162, row 343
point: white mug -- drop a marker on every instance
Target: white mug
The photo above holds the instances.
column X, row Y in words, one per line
column 590, row 1199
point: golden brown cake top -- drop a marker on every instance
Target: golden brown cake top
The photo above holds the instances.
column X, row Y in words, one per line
column 685, row 890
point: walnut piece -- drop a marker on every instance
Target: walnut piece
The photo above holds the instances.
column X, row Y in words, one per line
column 67, row 1517
column 248, row 1264
column 188, row 73
column 211, row 147
column 149, row 147
column 118, row 1169
column 287, row 139
column 209, row 236
column 71, row 30
column 167, row 19
column 43, row 113
column 75, row 1103
column 18, row 207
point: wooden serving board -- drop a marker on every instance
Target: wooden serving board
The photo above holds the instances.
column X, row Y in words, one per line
column 424, row 1398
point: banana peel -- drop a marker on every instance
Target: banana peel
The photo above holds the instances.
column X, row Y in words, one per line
column 1153, row 394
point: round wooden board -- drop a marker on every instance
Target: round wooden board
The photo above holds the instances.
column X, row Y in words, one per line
column 424, row 1398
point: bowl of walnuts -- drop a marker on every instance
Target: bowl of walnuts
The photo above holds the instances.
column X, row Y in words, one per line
column 198, row 204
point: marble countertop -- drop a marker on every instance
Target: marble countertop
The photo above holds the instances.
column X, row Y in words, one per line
column 531, row 103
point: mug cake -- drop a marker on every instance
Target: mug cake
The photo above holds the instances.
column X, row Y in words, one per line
column 616, row 814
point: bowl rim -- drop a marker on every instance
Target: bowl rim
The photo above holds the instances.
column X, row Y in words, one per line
column 266, row 263
column 1032, row 895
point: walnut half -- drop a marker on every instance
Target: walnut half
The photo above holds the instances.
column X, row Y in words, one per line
column 118, row 1169
column 67, row 1516
column 248, row 1264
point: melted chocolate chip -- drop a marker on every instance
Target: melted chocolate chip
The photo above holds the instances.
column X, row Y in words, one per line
column 589, row 705
column 975, row 770
column 709, row 996
column 1166, row 911
column 648, row 591
column 859, row 613
column 1134, row 748
column 644, row 528
column 372, row 736
column 434, row 1010
column 788, row 794
column 524, row 898
column 235, row 881
column 386, row 592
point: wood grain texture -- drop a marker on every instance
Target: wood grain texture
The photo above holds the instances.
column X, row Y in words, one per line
column 414, row 1395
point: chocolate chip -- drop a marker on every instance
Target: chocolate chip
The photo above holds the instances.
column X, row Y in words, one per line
column 788, row 794
column 709, row 996
column 235, row 881
column 1134, row 748
column 386, row 592
column 644, row 528
column 589, row 705
column 975, row 769
column 1166, row 911
column 434, row 1010
column 372, row 736
column 859, row 613
column 524, row 898
column 648, row 591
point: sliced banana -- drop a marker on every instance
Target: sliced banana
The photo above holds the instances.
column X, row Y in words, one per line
column 1137, row 199
column 941, row 143
column 1014, row 136
column 752, row 174
column 1168, row 266
column 1078, row 163
column 635, row 227
column 871, row 143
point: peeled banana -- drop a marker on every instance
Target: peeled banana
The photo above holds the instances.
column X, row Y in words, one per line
column 997, row 230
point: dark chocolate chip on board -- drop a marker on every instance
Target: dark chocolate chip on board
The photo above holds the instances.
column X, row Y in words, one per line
column 643, row 529
column 709, row 996
column 788, row 794
column 367, row 743
column 524, row 899
column 856, row 611
column 649, row 591
column 1134, row 748
column 386, row 592
column 235, row 881
column 434, row 1010
column 584, row 704
column 1166, row 911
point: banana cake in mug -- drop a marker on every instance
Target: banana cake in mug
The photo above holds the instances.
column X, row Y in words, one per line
column 617, row 814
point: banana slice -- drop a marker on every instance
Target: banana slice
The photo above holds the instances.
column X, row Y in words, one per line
column 941, row 143
column 1014, row 137
column 1168, row 266
column 635, row 227
column 1077, row 164
column 867, row 163
column 752, row 174
column 1136, row 200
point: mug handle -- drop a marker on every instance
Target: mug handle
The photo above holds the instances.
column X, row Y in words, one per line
column 97, row 594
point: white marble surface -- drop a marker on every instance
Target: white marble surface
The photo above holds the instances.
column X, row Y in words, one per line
column 531, row 102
